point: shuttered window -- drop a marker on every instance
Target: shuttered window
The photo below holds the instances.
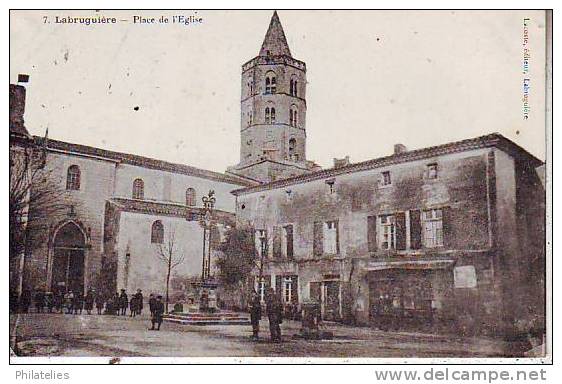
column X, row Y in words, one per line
column 331, row 241
column 318, row 245
column 372, row 233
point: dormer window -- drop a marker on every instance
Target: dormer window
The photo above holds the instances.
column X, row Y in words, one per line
column 431, row 171
column 386, row 178
column 330, row 183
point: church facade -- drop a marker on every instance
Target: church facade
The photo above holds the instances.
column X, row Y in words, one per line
column 447, row 235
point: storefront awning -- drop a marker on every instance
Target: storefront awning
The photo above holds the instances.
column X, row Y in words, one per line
column 407, row 264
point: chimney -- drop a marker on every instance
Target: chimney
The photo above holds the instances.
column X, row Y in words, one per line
column 338, row 163
column 17, row 105
column 400, row 148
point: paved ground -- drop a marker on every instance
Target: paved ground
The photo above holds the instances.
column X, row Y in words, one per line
column 93, row 335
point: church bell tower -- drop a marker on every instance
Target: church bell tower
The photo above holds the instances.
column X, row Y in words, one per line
column 273, row 112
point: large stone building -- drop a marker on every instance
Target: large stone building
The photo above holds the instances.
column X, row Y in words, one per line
column 451, row 234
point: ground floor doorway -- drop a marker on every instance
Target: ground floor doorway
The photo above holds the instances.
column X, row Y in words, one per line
column 68, row 264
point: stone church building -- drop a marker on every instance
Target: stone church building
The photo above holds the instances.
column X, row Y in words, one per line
column 451, row 234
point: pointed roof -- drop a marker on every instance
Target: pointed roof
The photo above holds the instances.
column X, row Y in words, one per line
column 275, row 41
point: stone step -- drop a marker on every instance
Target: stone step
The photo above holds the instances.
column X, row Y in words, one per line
column 221, row 318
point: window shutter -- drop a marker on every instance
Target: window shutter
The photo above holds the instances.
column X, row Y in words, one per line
column 448, row 237
column 337, row 224
column 289, row 229
column 295, row 289
column 415, row 229
column 318, row 239
column 400, row 230
column 277, row 242
column 252, row 282
column 372, row 233
column 278, row 284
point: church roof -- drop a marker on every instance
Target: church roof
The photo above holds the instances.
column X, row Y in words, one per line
column 142, row 161
column 487, row 141
column 275, row 43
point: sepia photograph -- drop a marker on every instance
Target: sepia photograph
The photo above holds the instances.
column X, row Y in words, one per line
column 358, row 186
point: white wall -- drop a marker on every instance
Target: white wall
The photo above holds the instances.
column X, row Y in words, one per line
column 146, row 271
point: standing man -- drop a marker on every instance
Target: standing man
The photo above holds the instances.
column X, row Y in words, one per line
column 57, row 301
column 273, row 306
column 139, row 301
column 123, row 302
column 78, row 302
column 151, row 304
column 255, row 314
column 89, row 301
column 99, row 303
column 158, row 312
column 39, row 300
column 133, row 305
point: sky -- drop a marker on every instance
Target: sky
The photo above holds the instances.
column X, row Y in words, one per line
column 375, row 78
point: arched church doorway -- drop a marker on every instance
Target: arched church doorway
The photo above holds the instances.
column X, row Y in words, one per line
column 68, row 259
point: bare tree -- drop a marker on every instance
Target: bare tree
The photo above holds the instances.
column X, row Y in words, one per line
column 171, row 256
column 35, row 198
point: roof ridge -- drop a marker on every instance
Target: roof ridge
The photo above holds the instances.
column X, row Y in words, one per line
column 416, row 154
column 149, row 162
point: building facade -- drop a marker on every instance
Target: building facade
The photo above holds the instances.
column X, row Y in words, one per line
column 451, row 235
column 116, row 213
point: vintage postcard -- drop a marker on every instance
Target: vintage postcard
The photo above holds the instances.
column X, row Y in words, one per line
column 265, row 186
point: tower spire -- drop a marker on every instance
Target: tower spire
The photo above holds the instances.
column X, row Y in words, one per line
column 275, row 43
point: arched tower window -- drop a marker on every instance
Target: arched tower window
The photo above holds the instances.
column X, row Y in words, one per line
column 73, row 178
column 190, row 197
column 272, row 115
column 293, row 155
column 293, row 116
column 270, row 83
column 138, row 189
column 157, row 233
column 267, row 115
column 293, row 86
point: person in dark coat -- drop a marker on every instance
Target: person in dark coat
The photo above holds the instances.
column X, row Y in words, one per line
column 25, row 300
column 151, row 304
column 115, row 306
column 274, row 314
column 78, row 303
column 157, row 313
column 89, row 301
column 139, row 301
column 123, row 302
column 133, row 306
column 57, row 301
column 39, row 301
column 99, row 303
column 255, row 314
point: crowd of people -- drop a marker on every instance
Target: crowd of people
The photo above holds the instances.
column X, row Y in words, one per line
column 74, row 302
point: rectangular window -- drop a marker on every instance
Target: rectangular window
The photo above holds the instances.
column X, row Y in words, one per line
column 385, row 178
column 331, row 237
column 433, row 228
column 387, row 232
column 261, row 242
column 287, row 289
column 287, row 241
column 432, row 171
